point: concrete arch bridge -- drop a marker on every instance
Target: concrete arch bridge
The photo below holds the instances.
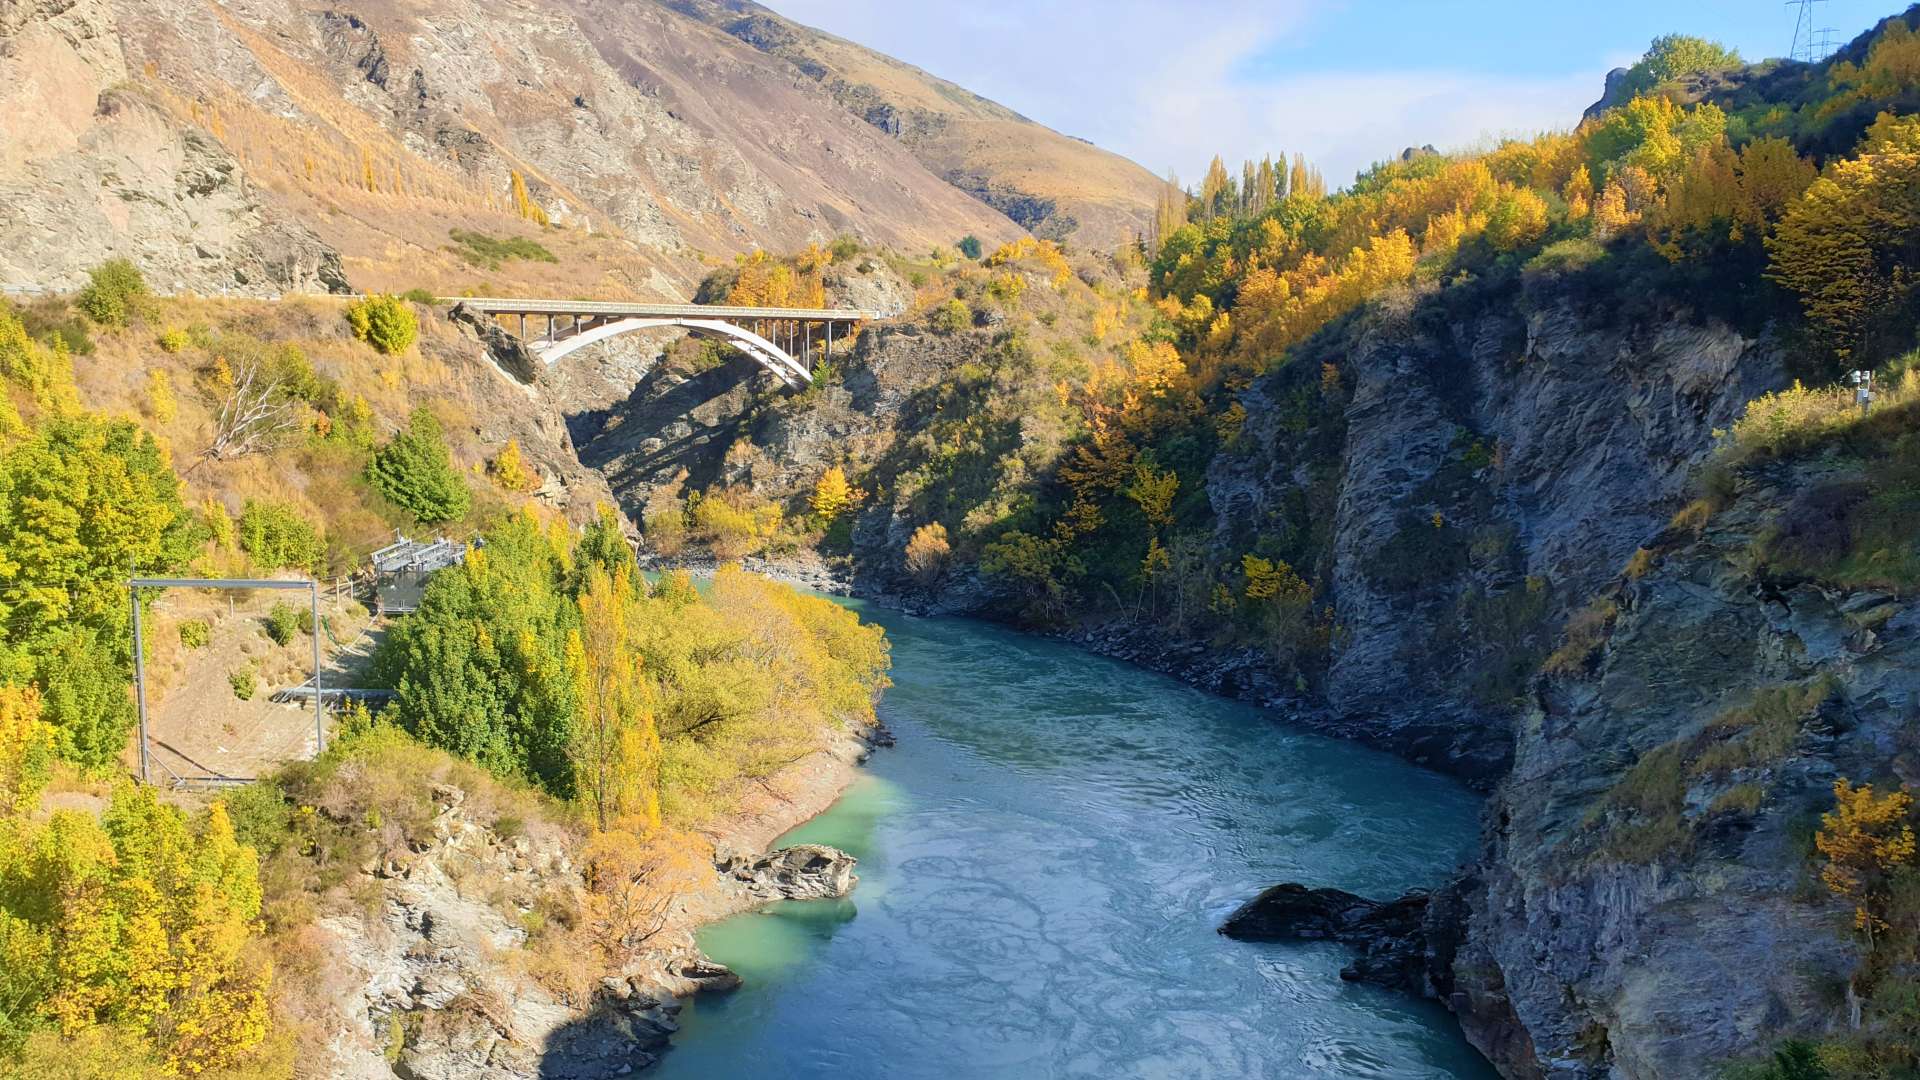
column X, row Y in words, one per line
column 790, row 342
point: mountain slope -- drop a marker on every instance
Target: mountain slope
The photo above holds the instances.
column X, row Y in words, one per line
column 246, row 146
column 1058, row 186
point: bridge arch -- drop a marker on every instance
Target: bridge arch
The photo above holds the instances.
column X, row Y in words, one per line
column 572, row 325
column 768, row 355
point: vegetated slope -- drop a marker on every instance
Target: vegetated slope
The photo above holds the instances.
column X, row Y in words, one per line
column 280, row 147
column 1060, row 187
column 1497, row 460
column 388, row 905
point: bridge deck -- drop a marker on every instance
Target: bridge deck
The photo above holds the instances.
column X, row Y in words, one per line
column 493, row 305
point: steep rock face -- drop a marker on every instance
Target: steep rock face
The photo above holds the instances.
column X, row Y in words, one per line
column 1494, row 467
column 430, row 981
column 1666, row 958
column 480, row 361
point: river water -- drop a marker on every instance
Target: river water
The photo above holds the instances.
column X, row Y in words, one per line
column 1043, row 860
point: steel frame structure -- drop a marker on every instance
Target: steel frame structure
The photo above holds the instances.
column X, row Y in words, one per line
column 134, row 586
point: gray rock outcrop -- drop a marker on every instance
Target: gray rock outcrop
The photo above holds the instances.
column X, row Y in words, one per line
column 800, row 872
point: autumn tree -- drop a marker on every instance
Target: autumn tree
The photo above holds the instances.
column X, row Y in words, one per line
column 510, row 469
column 1850, row 247
column 385, row 322
column 616, row 746
column 928, row 551
column 140, row 920
column 1169, row 213
column 833, row 495
column 1865, row 839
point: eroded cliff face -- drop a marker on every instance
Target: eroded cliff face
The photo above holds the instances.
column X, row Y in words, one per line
column 91, row 168
column 1644, row 906
column 1646, row 923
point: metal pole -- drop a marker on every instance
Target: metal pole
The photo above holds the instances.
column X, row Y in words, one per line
column 140, row 681
column 827, row 353
column 319, row 714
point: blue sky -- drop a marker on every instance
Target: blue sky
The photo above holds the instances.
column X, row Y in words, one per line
column 1345, row 81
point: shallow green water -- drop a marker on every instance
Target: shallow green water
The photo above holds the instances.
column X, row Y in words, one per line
column 1043, row 860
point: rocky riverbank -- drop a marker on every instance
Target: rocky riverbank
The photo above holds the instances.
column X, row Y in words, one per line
column 436, row 981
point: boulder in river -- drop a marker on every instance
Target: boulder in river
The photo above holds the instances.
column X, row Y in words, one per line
column 800, row 872
column 1389, row 937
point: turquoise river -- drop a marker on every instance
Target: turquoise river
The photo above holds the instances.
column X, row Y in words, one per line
column 1043, row 860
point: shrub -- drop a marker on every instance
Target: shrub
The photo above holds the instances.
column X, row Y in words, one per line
column 415, row 472
column 928, row 552
column 1586, row 632
column 161, row 403
column 243, row 682
column 968, row 245
column 195, row 633
column 510, row 470
column 666, row 531
column 283, row 622
column 384, row 322
column 115, row 294
column 1640, row 565
column 952, row 317
column 276, row 537
column 417, row 295
column 844, row 247
column 172, row 340
column 1792, row 419
column 734, row 524
column 1007, row 288
column 490, row 251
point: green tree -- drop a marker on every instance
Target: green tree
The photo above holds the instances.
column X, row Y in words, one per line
column 969, row 245
column 276, row 537
column 1676, row 56
column 481, row 669
column 115, row 293
column 84, row 502
column 603, row 544
column 415, row 471
column 385, row 322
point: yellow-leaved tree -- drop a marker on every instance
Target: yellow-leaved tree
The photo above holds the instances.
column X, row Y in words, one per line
column 139, row 920
column 833, row 495
column 1865, row 839
column 616, row 745
column 1850, row 246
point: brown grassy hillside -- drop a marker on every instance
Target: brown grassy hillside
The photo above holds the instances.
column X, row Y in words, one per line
column 1057, row 186
column 280, row 146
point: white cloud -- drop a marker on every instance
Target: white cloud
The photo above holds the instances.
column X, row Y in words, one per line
column 1167, row 87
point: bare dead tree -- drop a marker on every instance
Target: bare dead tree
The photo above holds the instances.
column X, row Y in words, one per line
column 253, row 414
